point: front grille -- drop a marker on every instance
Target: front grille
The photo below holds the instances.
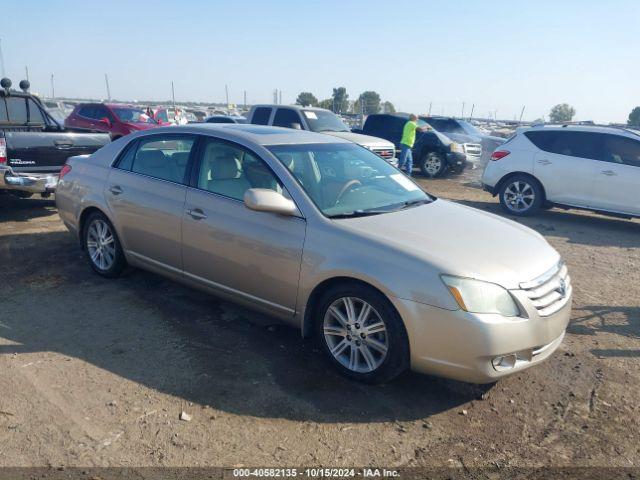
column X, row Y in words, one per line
column 550, row 291
column 386, row 153
column 473, row 149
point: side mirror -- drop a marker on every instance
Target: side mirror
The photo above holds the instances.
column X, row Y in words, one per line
column 105, row 121
column 296, row 126
column 265, row 200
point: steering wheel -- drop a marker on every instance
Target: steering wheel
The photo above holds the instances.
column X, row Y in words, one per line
column 346, row 187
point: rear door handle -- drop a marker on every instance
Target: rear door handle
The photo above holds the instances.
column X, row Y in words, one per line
column 196, row 214
column 63, row 143
column 544, row 162
column 115, row 189
column 608, row 173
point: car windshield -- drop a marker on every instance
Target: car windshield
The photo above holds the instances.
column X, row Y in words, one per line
column 469, row 129
column 347, row 180
column 324, row 121
column 132, row 115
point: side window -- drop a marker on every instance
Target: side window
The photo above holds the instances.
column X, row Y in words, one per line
column 126, row 157
column 619, row 149
column 101, row 112
column 231, row 170
column 17, row 109
column 163, row 156
column 86, row 111
column 3, row 111
column 261, row 116
column 573, row 144
column 35, row 115
column 286, row 117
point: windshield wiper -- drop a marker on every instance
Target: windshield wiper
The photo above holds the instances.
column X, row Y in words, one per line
column 358, row 213
column 415, row 203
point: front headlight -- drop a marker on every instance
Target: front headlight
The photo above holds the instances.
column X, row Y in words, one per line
column 476, row 296
column 456, row 147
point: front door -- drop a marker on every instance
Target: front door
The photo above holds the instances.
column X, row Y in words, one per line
column 146, row 194
column 251, row 256
column 617, row 184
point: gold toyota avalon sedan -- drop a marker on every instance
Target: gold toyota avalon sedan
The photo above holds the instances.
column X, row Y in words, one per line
column 329, row 237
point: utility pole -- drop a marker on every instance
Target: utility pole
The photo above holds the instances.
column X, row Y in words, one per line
column 280, row 97
column 226, row 91
column 173, row 97
column 275, row 96
column 462, row 115
column 521, row 114
column 106, row 81
column 430, row 105
column 472, row 109
column 53, row 88
column 26, row 71
column 245, row 99
column 495, row 115
column 2, row 70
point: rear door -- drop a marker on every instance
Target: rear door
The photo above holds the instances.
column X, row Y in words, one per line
column 146, row 193
column 566, row 164
column 261, row 116
column 35, row 146
column 617, row 179
column 288, row 118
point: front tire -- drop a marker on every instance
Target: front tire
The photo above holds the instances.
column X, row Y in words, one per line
column 102, row 246
column 432, row 164
column 521, row 195
column 361, row 333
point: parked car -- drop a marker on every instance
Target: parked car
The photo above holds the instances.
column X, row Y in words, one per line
column 255, row 214
column 590, row 167
column 33, row 145
column 57, row 109
column 321, row 121
column 433, row 153
column 115, row 119
column 477, row 145
column 225, row 119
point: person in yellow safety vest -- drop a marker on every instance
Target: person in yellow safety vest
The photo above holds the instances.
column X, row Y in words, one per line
column 405, row 162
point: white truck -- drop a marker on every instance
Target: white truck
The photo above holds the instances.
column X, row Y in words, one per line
column 321, row 121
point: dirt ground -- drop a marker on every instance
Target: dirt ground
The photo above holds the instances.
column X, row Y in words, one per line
column 96, row 372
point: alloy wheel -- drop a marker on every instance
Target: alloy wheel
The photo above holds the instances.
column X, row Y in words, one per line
column 101, row 244
column 519, row 196
column 433, row 164
column 355, row 334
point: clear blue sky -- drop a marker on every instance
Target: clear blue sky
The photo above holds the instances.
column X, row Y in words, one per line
column 498, row 54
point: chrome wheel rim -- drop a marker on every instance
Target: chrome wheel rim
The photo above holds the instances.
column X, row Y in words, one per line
column 519, row 196
column 432, row 164
column 355, row 334
column 101, row 244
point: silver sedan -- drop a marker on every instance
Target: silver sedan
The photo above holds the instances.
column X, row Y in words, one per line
column 329, row 237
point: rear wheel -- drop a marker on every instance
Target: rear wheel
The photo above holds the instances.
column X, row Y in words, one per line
column 102, row 246
column 432, row 164
column 521, row 195
column 361, row 334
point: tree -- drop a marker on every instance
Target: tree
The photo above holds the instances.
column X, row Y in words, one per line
column 388, row 107
column 327, row 103
column 368, row 102
column 634, row 117
column 340, row 100
column 307, row 99
column 562, row 113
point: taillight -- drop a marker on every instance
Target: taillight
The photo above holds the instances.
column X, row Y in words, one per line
column 498, row 154
column 3, row 151
column 66, row 168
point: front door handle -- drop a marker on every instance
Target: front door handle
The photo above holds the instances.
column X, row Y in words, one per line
column 196, row 214
column 608, row 173
column 544, row 161
column 115, row 189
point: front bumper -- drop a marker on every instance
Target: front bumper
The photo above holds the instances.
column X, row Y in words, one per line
column 464, row 346
column 457, row 161
column 27, row 182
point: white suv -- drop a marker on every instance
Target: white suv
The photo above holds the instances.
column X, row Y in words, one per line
column 591, row 167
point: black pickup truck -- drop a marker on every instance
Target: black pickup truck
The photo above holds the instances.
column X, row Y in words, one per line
column 433, row 153
column 34, row 146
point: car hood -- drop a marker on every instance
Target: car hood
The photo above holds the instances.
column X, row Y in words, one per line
column 460, row 240
column 365, row 140
column 141, row 126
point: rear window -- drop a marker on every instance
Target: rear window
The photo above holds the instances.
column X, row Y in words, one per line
column 623, row 150
column 261, row 116
column 573, row 144
column 20, row 110
column 3, row 111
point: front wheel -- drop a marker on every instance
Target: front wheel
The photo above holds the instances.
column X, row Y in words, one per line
column 432, row 164
column 521, row 195
column 361, row 334
column 102, row 246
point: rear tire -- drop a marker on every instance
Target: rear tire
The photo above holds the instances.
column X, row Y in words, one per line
column 521, row 195
column 361, row 333
column 102, row 246
column 432, row 164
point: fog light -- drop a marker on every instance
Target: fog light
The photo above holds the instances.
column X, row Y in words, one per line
column 504, row 362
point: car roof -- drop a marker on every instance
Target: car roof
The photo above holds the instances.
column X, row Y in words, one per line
column 295, row 107
column 624, row 131
column 260, row 134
